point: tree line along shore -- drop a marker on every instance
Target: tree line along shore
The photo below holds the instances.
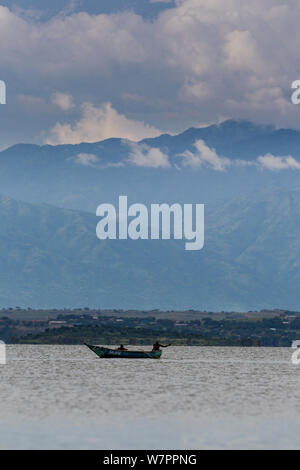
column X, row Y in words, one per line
column 133, row 327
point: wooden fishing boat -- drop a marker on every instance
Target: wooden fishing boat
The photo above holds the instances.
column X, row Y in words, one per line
column 110, row 353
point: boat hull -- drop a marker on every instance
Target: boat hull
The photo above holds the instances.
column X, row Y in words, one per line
column 106, row 353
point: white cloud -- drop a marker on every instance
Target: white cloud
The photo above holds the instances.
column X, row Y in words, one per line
column 143, row 155
column 208, row 157
column 270, row 162
column 86, row 159
column 241, row 51
column 100, row 123
column 76, row 42
column 201, row 60
column 63, row 100
column 204, row 156
column 90, row 159
column 229, row 53
column 140, row 155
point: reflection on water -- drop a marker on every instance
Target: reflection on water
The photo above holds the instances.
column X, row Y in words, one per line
column 66, row 397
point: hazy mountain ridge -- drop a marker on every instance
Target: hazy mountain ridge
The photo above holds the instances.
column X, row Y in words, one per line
column 234, row 139
column 251, row 260
column 56, row 175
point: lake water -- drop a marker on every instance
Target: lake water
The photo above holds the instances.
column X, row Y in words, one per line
column 64, row 397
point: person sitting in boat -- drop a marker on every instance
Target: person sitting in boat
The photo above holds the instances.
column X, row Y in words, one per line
column 121, row 348
column 157, row 345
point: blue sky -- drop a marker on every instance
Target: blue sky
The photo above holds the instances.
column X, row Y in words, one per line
column 45, row 9
column 88, row 70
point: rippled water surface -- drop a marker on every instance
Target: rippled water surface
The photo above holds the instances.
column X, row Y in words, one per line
column 65, row 397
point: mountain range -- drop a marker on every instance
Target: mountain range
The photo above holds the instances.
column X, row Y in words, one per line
column 50, row 256
column 85, row 175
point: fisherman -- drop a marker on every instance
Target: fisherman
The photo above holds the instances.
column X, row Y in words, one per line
column 121, row 348
column 157, row 345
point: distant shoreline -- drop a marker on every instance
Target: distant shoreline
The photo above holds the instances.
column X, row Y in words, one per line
column 138, row 328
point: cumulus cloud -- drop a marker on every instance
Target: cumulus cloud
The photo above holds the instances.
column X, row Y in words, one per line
column 86, row 159
column 228, row 64
column 143, row 155
column 63, row 100
column 204, row 156
column 241, row 51
column 202, row 60
column 139, row 155
column 100, row 123
column 270, row 162
column 72, row 42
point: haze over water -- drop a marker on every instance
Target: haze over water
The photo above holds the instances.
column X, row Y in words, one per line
column 64, row 397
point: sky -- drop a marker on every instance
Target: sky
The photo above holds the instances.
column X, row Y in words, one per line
column 90, row 70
